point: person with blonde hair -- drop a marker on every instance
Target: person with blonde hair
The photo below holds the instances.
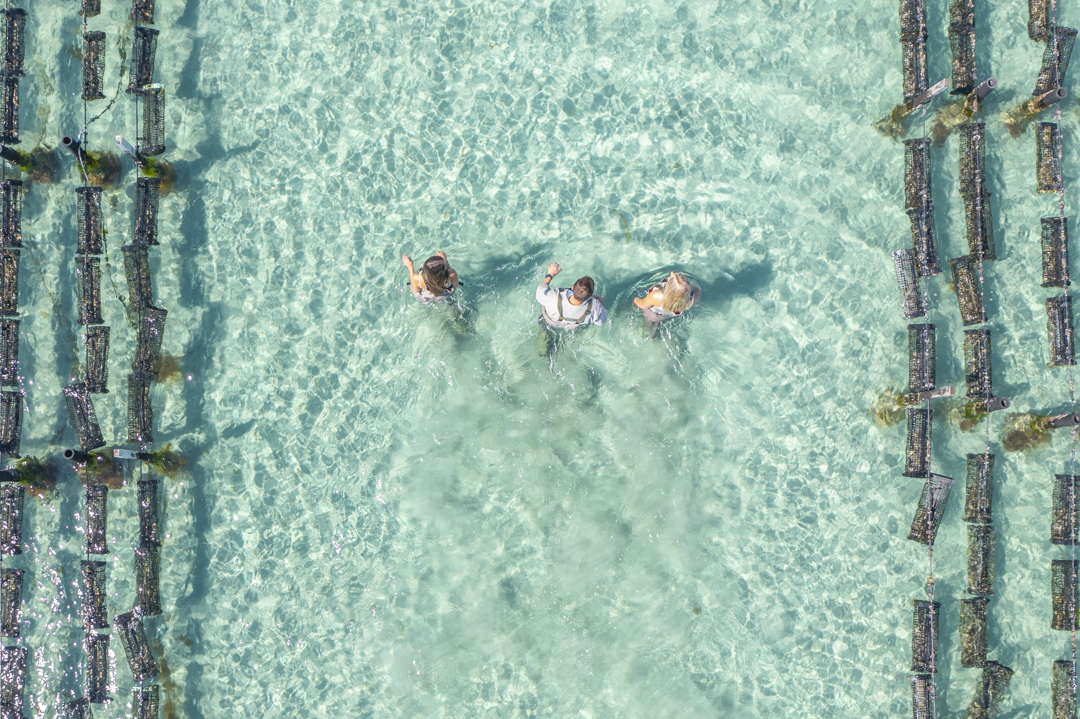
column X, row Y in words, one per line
column 670, row 298
column 435, row 281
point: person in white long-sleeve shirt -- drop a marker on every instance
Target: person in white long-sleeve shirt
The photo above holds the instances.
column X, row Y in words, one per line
column 568, row 309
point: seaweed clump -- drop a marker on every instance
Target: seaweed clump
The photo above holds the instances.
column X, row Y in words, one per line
column 102, row 168
column 968, row 415
column 1025, row 431
column 889, row 409
column 166, row 461
column 168, row 368
column 39, row 164
column 161, row 170
column 100, row 468
column 38, row 476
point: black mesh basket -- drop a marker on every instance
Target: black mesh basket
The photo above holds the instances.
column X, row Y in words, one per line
column 922, row 357
column 142, row 11
column 93, row 66
column 1064, row 689
column 14, row 41
column 977, row 365
column 11, row 588
column 924, row 239
column 9, row 111
column 97, row 359
column 12, row 681
column 83, row 418
column 912, row 18
column 962, row 43
column 149, row 524
column 91, row 227
column 972, row 159
column 147, row 191
column 1055, row 252
column 980, row 564
column 931, row 509
column 1039, row 20
column 142, row 59
column 11, row 419
column 973, row 632
column 924, row 635
column 145, row 701
column 979, row 496
column 1063, row 594
column 129, row 628
column 97, row 517
column 980, row 227
column 917, row 463
column 1055, row 59
column 92, row 595
column 916, row 172
column 90, row 8
column 966, row 280
column 913, row 50
column 1059, row 327
column 991, row 690
column 147, row 587
column 1063, row 512
column 12, row 497
column 76, row 708
column 10, row 213
column 137, row 271
column 151, row 133
column 151, row 327
column 9, row 353
column 923, row 700
column 9, row 282
column 88, row 273
column 1047, row 157
column 140, row 415
column 906, row 276
column 97, row 668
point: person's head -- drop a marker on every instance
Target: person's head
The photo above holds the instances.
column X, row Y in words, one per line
column 679, row 293
column 436, row 274
column 583, row 289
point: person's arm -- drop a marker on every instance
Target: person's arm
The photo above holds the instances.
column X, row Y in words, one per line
column 414, row 276
column 652, row 299
column 545, row 285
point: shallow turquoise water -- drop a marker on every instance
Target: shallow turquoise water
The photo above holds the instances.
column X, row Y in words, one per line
column 384, row 515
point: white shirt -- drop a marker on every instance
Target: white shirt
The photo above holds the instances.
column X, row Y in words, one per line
column 592, row 311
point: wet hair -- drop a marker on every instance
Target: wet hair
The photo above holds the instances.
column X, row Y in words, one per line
column 436, row 274
column 583, row 289
column 679, row 293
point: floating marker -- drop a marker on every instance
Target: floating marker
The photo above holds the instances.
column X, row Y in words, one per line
column 979, row 493
column 97, row 516
column 931, row 509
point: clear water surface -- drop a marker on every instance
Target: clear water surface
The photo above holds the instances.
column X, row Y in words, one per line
column 389, row 512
